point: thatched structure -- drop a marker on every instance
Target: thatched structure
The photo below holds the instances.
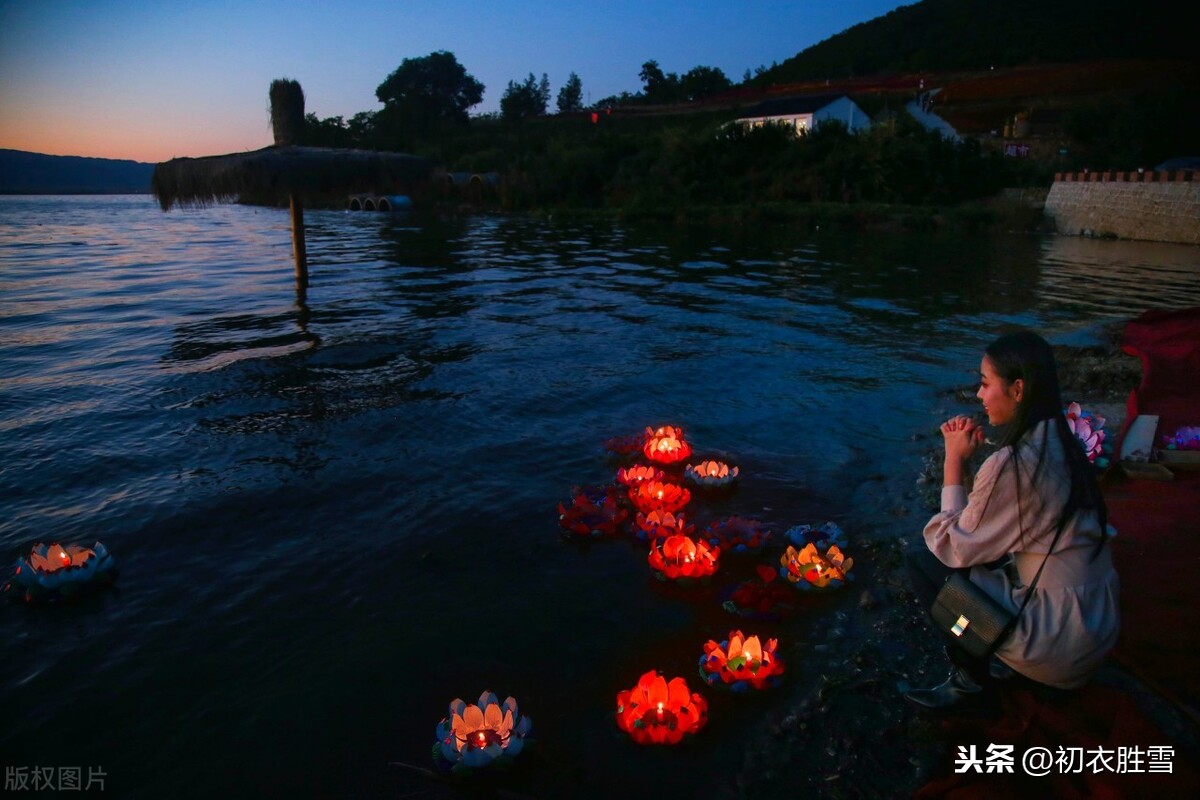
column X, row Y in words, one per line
column 287, row 170
column 310, row 172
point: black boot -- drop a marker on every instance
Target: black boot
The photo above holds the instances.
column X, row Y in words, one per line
column 960, row 692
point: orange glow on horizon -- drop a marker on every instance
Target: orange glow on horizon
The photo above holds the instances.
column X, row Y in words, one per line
column 149, row 144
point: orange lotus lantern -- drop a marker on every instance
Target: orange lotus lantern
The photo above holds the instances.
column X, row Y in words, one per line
column 638, row 474
column 56, row 571
column 666, row 445
column 660, row 524
column 475, row 736
column 659, row 496
column 658, row 711
column 678, row 558
column 741, row 663
column 710, row 474
column 811, row 569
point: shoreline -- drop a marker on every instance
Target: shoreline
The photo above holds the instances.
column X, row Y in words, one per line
column 845, row 730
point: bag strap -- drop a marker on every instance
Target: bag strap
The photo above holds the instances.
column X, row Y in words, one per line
column 1012, row 623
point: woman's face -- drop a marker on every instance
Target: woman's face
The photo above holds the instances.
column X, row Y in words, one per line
column 999, row 397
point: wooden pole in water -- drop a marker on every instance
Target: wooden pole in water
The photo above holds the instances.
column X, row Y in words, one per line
column 287, row 122
column 298, row 249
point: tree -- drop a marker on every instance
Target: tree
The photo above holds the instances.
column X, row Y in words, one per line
column 426, row 93
column 526, row 99
column 659, row 87
column 702, row 81
column 570, row 96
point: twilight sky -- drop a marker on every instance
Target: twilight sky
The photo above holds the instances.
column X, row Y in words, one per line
column 149, row 80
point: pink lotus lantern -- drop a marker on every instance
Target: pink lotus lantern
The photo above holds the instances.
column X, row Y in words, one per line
column 661, row 524
column 741, row 663
column 678, row 558
column 589, row 516
column 658, row 711
column 1088, row 429
column 666, row 445
column 639, row 474
column 710, row 474
column 659, row 496
column 736, row 534
column 811, row 569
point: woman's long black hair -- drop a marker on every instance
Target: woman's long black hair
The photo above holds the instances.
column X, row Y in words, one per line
column 1028, row 357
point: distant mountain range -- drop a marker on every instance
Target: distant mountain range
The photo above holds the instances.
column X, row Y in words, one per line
column 35, row 173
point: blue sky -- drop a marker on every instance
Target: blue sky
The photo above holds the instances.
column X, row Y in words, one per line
column 151, row 80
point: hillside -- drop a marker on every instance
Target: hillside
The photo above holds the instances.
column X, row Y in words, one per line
column 945, row 35
column 34, row 173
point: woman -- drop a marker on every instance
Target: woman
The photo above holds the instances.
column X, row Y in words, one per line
column 1036, row 491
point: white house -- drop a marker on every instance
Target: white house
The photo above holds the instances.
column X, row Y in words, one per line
column 806, row 112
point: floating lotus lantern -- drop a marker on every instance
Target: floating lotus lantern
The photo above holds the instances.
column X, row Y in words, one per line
column 56, row 571
column 660, row 524
column 710, row 474
column 639, row 474
column 678, row 558
column 766, row 598
column 666, row 445
column 476, row 736
column 810, row 568
column 659, row 496
column 592, row 515
column 741, row 663
column 658, row 711
column 737, row 535
column 1089, row 430
column 625, row 446
column 823, row 536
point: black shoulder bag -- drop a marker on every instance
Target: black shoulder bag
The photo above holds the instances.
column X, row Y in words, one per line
column 978, row 623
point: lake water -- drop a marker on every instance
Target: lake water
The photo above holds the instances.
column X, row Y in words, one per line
column 331, row 521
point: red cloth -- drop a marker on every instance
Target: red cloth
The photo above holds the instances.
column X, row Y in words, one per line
column 1168, row 344
column 1157, row 549
column 1157, row 553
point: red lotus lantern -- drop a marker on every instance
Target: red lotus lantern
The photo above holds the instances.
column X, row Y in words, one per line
column 710, row 474
column 658, row 711
column 737, row 535
column 639, row 474
column 767, row 598
column 666, row 445
column 659, row 496
column 741, row 663
column 680, row 559
column 625, row 445
column 591, row 516
column 660, row 524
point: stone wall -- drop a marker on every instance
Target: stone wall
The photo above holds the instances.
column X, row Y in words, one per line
column 1151, row 206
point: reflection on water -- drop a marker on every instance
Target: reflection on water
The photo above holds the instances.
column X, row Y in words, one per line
column 332, row 520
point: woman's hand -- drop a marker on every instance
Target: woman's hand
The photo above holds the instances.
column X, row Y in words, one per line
column 963, row 437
